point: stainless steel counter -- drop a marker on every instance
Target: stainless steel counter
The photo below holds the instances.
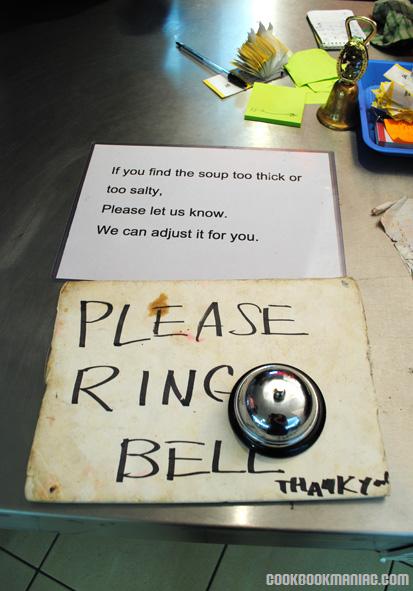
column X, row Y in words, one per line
column 109, row 72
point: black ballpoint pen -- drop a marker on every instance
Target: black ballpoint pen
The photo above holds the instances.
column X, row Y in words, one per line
column 232, row 77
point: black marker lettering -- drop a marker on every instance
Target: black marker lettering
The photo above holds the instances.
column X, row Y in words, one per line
column 315, row 489
column 172, row 458
column 216, row 458
column 251, row 465
column 170, row 384
column 121, row 474
column 84, row 321
column 252, row 325
column 213, row 307
column 329, row 484
column 119, row 328
column 208, row 378
column 365, row 485
column 341, row 485
column 88, row 390
column 158, row 322
column 144, row 387
column 267, row 321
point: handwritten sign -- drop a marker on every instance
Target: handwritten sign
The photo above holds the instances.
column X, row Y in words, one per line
column 157, row 212
column 137, row 387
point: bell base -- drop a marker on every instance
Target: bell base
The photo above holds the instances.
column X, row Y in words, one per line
column 327, row 121
column 340, row 111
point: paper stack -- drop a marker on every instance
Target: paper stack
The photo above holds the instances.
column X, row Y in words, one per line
column 396, row 96
column 262, row 56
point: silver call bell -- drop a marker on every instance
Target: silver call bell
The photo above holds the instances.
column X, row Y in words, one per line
column 277, row 410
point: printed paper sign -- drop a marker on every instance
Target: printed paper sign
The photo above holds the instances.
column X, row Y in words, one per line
column 153, row 212
column 138, row 381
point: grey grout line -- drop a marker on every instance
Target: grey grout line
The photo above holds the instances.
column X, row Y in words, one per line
column 389, row 573
column 49, row 550
column 221, row 556
column 63, row 585
column 41, row 563
column 17, row 557
column 405, row 563
column 36, row 572
column 38, row 569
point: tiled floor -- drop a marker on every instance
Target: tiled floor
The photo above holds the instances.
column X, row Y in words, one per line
column 38, row 561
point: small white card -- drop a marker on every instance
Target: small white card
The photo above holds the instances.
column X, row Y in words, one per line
column 222, row 87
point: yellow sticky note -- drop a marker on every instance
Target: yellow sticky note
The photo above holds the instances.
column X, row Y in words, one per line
column 311, row 65
column 276, row 104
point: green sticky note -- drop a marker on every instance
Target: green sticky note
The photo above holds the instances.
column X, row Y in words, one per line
column 276, row 104
column 311, row 65
column 315, row 98
column 323, row 85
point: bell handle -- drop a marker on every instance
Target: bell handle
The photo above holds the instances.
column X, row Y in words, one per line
column 361, row 19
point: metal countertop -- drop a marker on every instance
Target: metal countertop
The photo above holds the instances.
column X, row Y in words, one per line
column 109, row 72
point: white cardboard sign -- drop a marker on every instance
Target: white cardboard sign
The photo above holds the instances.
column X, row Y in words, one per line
column 138, row 381
column 156, row 212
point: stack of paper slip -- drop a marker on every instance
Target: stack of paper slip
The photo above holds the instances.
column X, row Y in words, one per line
column 263, row 55
column 396, row 96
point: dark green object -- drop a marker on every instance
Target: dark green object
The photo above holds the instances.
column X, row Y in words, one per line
column 394, row 20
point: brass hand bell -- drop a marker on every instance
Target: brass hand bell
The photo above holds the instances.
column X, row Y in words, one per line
column 340, row 111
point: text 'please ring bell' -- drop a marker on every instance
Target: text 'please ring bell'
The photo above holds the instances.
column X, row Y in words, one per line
column 277, row 410
column 340, row 111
